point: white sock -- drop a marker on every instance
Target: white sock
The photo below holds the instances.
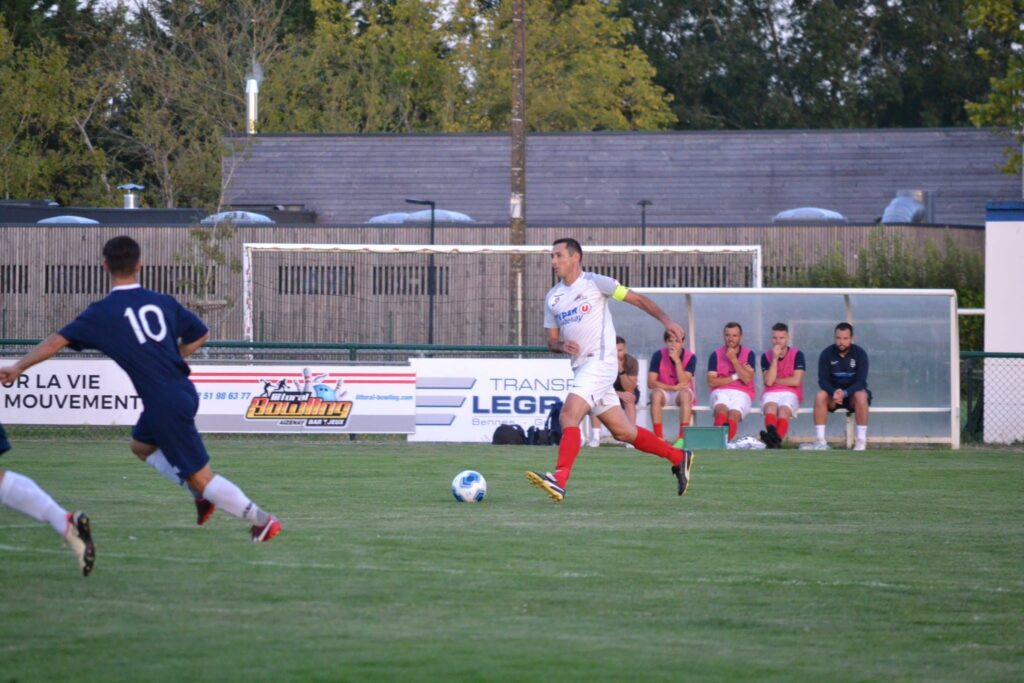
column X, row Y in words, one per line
column 862, row 432
column 20, row 493
column 228, row 497
column 158, row 461
column 819, row 432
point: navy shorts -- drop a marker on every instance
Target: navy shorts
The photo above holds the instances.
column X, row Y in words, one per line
column 169, row 423
column 846, row 405
column 5, row 445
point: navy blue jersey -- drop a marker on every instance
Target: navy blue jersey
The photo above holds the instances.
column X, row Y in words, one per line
column 799, row 363
column 140, row 330
column 849, row 374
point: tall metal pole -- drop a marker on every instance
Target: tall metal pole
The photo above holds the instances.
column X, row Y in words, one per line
column 517, row 204
column 431, row 281
column 643, row 204
column 431, row 270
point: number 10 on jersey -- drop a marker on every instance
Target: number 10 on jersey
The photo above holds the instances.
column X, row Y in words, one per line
column 142, row 325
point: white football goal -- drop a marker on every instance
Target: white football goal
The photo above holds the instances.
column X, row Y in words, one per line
column 447, row 294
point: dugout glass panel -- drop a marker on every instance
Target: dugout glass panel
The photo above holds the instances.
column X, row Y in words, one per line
column 906, row 333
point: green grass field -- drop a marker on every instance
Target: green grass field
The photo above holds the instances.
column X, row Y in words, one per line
column 885, row 565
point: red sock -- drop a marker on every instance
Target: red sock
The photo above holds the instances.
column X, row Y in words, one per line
column 682, row 430
column 770, row 420
column 659, row 430
column 648, row 442
column 568, row 449
column 782, row 427
column 721, row 419
column 733, row 426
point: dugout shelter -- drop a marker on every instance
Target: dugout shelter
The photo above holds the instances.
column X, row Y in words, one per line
column 911, row 338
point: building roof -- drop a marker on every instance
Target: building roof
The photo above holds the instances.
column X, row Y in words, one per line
column 704, row 177
column 19, row 212
column 16, row 212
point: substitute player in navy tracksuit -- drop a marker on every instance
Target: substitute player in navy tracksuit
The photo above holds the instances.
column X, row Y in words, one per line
column 843, row 383
column 149, row 335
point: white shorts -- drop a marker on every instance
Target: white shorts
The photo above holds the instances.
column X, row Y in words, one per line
column 672, row 397
column 594, row 382
column 783, row 398
column 733, row 399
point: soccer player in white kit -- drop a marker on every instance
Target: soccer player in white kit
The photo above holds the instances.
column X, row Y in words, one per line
column 578, row 322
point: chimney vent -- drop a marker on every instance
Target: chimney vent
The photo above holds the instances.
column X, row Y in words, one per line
column 131, row 197
column 252, row 96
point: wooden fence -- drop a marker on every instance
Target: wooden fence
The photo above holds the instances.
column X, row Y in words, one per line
column 49, row 273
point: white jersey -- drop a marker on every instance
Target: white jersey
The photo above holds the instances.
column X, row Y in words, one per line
column 581, row 311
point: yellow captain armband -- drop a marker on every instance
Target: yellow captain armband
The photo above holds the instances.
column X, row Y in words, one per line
column 620, row 293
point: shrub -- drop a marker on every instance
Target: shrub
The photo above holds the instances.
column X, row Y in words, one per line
column 888, row 262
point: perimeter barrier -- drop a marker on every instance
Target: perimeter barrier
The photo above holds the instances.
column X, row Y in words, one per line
column 992, row 407
column 989, row 383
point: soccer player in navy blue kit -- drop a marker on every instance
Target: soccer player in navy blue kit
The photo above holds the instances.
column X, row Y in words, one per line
column 149, row 335
column 20, row 493
column 843, row 382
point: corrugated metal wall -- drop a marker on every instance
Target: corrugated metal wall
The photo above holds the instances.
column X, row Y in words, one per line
column 48, row 274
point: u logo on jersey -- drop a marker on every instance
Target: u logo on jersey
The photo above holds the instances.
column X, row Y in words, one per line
column 585, row 308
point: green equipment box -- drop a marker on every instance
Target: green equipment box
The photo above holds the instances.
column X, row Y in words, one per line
column 702, row 438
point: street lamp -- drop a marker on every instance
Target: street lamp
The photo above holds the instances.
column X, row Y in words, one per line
column 432, row 204
column 430, row 268
column 643, row 204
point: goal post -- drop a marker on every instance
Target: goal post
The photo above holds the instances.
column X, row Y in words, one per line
column 415, row 293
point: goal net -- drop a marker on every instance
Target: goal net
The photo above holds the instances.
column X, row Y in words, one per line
column 447, row 294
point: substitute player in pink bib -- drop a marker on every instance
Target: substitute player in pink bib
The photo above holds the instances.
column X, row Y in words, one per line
column 578, row 322
column 783, row 369
column 670, row 381
column 731, row 379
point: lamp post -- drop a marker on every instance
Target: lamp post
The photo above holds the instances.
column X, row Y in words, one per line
column 432, row 204
column 643, row 204
column 430, row 268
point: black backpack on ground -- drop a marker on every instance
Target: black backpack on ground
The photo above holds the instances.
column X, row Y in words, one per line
column 552, row 426
column 509, row 434
column 538, row 437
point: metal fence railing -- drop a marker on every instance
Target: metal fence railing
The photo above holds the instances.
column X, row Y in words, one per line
column 989, row 382
column 990, row 387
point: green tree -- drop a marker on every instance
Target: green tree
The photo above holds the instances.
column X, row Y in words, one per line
column 1004, row 105
column 890, row 262
column 412, row 65
column 718, row 59
column 582, row 74
column 42, row 151
column 376, row 66
column 922, row 65
column 812, row 64
column 184, row 88
column 30, row 22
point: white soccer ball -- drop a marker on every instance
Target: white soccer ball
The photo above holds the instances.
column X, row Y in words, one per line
column 469, row 486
